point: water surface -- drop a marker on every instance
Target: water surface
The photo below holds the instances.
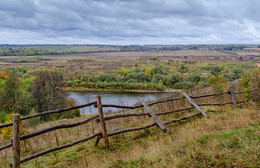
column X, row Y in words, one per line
column 118, row 98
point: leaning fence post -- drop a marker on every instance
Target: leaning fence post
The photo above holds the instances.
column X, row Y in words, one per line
column 156, row 119
column 231, row 91
column 194, row 104
column 102, row 122
column 16, row 141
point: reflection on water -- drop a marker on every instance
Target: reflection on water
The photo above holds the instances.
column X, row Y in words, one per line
column 119, row 98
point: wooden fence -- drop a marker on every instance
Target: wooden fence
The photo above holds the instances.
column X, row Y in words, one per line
column 100, row 118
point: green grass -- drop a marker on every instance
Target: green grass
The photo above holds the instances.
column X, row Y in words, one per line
column 228, row 139
column 236, row 148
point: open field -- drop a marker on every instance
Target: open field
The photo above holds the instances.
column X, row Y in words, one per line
column 252, row 49
column 111, row 61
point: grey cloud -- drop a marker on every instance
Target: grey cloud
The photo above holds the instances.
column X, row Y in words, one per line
column 129, row 21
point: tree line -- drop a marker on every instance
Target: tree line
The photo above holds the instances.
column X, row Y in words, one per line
column 29, row 52
column 154, row 77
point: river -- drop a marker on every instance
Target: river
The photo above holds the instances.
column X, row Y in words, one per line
column 118, row 98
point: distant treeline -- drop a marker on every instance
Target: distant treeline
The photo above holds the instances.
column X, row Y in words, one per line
column 28, row 52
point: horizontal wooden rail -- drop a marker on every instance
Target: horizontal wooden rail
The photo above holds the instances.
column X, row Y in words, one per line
column 151, row 125
column 208, row 95
column 6, row 146
column 238, row 92
column 100, row 135
column 221, row 93
column 168, row 112
column 174, row 99
column 143, row 114
column 49, row 112
column 58, row 148
column 23, row 137
column 139, row 106
column 180, row 119
column 222, row 104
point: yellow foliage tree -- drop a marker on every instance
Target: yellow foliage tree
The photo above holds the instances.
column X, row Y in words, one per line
column 7, row 132
column 148, row 71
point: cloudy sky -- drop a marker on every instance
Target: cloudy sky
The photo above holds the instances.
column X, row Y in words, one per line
column 129, row 21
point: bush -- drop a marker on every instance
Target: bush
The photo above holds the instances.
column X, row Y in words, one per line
column 153, row 58
column 69, row 114
column 161, row 88
column 215, row 71
column 177, row 85
column 3, row 116
column 7, row 132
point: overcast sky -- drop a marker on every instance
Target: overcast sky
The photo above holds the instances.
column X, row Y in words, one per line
column 129, row 22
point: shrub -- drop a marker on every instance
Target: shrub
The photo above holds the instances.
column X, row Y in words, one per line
column 69, row 114
column 215, row 71
column 3, row 116
column 153, row 58
column 7, row 132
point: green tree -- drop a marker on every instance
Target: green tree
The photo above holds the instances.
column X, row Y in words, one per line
column 12, row 97
column 47, row 93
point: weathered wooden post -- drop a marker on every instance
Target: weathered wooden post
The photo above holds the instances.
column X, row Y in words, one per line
column 156, row 119
column 102, row 122
column 231, row 91
column 194, row 104
column 16, row 141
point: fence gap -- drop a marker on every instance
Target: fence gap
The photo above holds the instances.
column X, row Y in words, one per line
column 16, row 141
column 194, row 104
column 156, row 119
column 102, row 122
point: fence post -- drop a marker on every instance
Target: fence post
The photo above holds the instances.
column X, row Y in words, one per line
column 102, row 122
column 16, row 141
column 233, row 99
column 194, row 104
column 231, row 91
column 156, row 119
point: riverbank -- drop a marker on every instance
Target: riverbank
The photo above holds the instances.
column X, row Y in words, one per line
column 81, row 89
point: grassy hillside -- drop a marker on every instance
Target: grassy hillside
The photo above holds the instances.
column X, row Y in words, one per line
column 226, row 139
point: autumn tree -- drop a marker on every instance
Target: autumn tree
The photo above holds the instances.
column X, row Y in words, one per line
column 12, row 97
column 47, row 93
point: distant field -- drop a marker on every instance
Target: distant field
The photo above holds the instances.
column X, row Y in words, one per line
column 111, row 61
column 74, row 48
column 252, row 49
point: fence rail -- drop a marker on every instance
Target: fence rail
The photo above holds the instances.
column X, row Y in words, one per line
column 174, row 99
column 49, row 112
column 103, row 134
